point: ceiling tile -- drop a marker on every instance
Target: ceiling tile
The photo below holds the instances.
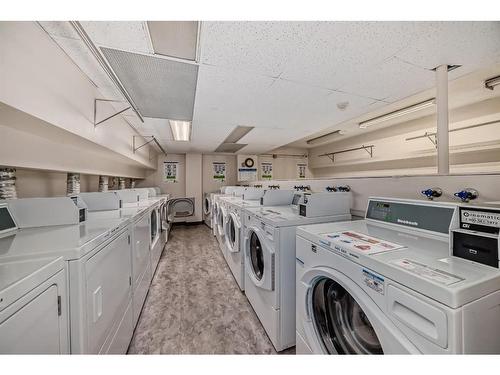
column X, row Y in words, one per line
column 391, row 80
column 262, row 47
column 130, row 36
column 471, row 44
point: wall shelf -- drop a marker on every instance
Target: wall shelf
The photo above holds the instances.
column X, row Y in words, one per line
column 367, row 148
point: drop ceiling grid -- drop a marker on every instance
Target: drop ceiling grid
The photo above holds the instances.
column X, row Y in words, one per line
column 259, row 47
column 471, row 44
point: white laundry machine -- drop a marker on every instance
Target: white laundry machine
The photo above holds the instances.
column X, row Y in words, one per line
column 234, row 225
column 214, row 198
column 394, row 283
column 97, row 255
column 222, row 203
column 207, row 210
column 33, row 299
column 270, row 259
column 106, row 206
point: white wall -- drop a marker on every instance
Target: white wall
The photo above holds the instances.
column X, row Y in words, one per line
column 38, row 78
column 211, row 185
column 194, row 187
column 403, row 187
column 156, row 177
column 471, row 151
column 285, row 165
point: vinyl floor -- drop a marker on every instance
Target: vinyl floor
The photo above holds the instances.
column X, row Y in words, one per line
column 194, row 305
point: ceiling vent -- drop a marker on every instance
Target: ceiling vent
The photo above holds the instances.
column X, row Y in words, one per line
column 174, row 38
column 230, row 147
column 161, row 88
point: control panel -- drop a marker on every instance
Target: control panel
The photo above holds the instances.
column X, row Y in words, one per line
column 477, row 237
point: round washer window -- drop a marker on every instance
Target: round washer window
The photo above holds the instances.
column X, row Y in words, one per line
column 256, row 256
column 207, row 205
column 232, row 231
column 341, row 323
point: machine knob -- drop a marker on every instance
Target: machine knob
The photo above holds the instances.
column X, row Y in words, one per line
column 331, row 188
column 432, row 193
column 467, row 195
column 344, row 188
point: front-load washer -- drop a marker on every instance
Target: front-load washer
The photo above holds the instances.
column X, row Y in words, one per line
column 270, row 264
column 391, row 284
column 207, row 210
column 234, row 225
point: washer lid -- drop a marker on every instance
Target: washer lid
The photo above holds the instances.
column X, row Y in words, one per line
column 422, row 262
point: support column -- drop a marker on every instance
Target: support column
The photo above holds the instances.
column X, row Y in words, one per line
column 443, row 147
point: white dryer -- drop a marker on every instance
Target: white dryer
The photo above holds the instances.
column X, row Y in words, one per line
column 390, row 284
column 234, row 225
column 270, row 262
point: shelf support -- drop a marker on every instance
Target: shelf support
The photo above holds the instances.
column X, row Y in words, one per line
column 368, row 149
column 109, row 117
column 153, row 139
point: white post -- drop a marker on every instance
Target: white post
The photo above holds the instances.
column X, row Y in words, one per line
column 443, row 147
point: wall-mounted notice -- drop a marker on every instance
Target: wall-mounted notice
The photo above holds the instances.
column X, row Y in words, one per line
column 301, row 170
column 170, row 170
column 219, row 171
column 247, row 174
column 266, row 170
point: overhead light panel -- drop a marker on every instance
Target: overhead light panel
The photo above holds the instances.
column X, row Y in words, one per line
column 492, row 82
column 238, row 133
column 398, row 113
column 181, row 130
column 325, row 137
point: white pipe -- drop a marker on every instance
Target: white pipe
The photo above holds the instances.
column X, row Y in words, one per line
column 443, row 143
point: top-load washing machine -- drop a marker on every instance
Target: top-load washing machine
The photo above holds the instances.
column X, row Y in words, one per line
column 97, row 256
column 234, row 224
column 407, row 279
column 270, row 258
column 33, row 294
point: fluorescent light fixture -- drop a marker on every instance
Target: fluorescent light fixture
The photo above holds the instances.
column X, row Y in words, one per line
column 492, row 82
column 325, row 137
column 181, row 130
column 398, row 113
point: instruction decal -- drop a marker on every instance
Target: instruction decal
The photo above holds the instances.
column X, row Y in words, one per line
column 219, row 171
column 266, row 169
column 170, row 170
column 374, row 281
column 301, row 170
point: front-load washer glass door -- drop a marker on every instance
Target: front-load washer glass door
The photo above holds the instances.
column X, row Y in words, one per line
column 232, row 231
column 154, row 225
column 207, row 206
column 341, row 324
column 256, row 256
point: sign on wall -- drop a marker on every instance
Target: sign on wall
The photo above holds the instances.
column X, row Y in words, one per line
column 301, row 170
column 170, row 170
column 266, row 170
column 219, row 171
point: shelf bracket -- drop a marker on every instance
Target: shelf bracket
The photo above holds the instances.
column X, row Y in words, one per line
column 153, row 139
column 432, row 137
column 96, row 101
column 331, row 155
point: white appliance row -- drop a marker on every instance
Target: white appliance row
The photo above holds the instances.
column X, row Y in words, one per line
column 412, row 277
column 74, row 272
column 256, row 233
